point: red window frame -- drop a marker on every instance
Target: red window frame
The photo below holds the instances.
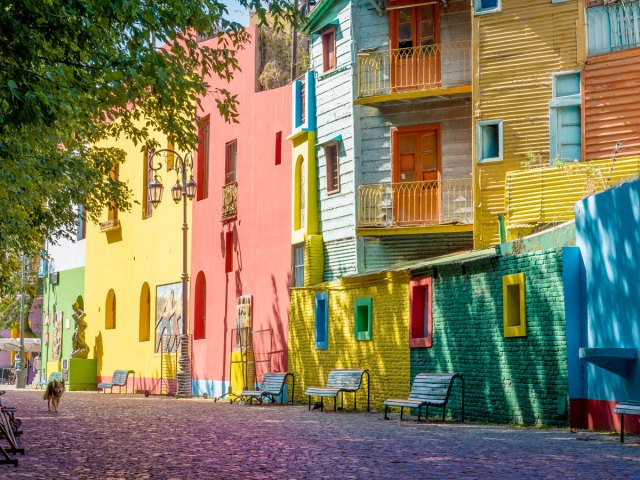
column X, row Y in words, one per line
column 228, row 252
column 278, row 148
column 204, row 129
column 329, row 49
column 230, row 161
column 418, row 288
column 331, row 153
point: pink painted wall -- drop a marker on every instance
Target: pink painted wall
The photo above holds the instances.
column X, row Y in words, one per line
column 262, row 230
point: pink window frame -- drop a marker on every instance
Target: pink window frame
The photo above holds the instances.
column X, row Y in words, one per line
column 417, row 311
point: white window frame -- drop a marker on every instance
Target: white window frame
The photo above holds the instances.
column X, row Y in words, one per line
column 558, row 102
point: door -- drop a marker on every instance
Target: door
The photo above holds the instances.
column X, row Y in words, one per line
column 416, row 175
column 569, row 133
column 415, row 54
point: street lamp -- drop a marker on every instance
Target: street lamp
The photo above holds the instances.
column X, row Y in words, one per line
column 182, row 190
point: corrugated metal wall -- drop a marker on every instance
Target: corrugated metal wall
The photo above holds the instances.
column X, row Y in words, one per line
column 380, row 252
column 339, row 258
column 548, row 195
column 612, row 104
column 515, row 53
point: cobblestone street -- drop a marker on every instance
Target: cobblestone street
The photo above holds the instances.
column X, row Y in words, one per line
column 129, row 436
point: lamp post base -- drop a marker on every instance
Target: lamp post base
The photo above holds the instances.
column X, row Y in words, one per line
column 21, row 380
column 184, row 372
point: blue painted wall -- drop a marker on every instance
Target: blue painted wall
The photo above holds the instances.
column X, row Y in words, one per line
column 608, row 236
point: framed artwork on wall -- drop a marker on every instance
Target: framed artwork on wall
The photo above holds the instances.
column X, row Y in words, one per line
column 168, row 317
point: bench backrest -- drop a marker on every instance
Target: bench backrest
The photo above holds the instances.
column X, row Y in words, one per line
column 273, row 382
column 55, row 376
column 348, row 380
column 120, row 377
column 432, row 387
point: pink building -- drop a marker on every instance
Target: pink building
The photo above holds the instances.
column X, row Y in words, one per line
column 241, row 229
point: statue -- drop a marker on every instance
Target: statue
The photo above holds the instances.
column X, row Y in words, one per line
column 80, row 348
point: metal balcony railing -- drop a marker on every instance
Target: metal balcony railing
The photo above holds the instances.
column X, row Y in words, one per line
column 433, row 202
column 229, row 201
column 418, row 68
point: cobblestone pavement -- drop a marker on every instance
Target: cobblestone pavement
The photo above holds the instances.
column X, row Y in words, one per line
column 129, row 436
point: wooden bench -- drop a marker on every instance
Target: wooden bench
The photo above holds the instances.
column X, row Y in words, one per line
column 118, row 379
column 52, row 376
column 341, row 380
column 272, row 386
column 626, row 408
column 427, row 389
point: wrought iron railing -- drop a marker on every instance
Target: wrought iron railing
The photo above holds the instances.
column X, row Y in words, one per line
column 229, row 201
column 417, row 68
column 415, row 203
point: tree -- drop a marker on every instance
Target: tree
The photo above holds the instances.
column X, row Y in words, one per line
column 74, row 72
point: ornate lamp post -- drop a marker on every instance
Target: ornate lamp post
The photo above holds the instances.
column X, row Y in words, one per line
column 183, row 189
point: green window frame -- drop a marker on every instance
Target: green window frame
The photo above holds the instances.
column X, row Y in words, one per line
column 362, row 318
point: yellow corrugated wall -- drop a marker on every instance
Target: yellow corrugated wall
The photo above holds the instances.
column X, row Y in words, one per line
column 515, row 53
column 547, row 195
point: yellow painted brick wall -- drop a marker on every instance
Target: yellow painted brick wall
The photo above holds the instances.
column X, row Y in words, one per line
column 386, row 355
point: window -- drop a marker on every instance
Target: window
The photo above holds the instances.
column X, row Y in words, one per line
column 147, row 175
column 565, row 117
column 487, row 6
column 297, row 266
column 230, row 160
column 299, row 212
column 514, row 312
column 110, row 311
column 200, row 308
column 112, row 213
column 303, row 103
column 203, row 158
column 362, row 323
column 333, row 169
column 613, row 27
column 322, row 320
column 81, row 230
column 228, row 252
column 421, row 294
column 278, row 148
column 329, row 49
column 489, row 141
column 414, row 27
column 144, row 321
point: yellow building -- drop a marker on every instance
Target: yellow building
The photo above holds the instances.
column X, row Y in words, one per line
column 357, row 322
column 131, row 257
column 523, row 50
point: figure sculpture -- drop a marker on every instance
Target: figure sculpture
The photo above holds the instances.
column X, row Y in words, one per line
column 80, row 347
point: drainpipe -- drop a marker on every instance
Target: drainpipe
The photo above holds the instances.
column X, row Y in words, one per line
column 501, row 228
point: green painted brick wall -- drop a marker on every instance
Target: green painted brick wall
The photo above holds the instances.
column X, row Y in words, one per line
column 508, row 380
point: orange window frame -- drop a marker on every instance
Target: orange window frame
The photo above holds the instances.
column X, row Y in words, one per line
column 395, row 147
column 396, row 6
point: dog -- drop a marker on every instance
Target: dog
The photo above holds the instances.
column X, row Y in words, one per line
column 53, row 393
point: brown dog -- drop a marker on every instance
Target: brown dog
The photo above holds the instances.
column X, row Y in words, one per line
column 53, row 393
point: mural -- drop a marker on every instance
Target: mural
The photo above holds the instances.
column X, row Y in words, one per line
column 80, row 347
column 168, row 317
column 57, row 337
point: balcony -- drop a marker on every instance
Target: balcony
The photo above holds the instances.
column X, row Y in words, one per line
column 229, row 201
column 417, row 72
column 425, row 204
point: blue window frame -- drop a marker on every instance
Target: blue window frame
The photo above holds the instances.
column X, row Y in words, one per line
column 481, row 7
column 489, row 141
column 322, row 320
column 565, row 117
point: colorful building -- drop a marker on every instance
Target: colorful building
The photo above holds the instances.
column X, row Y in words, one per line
column 602, row 309
column 527, row 87
column 63, row 276
column 241, row 246
column 132, row 296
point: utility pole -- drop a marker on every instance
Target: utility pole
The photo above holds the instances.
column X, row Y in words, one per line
column 20, row 371
column 294, row 48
